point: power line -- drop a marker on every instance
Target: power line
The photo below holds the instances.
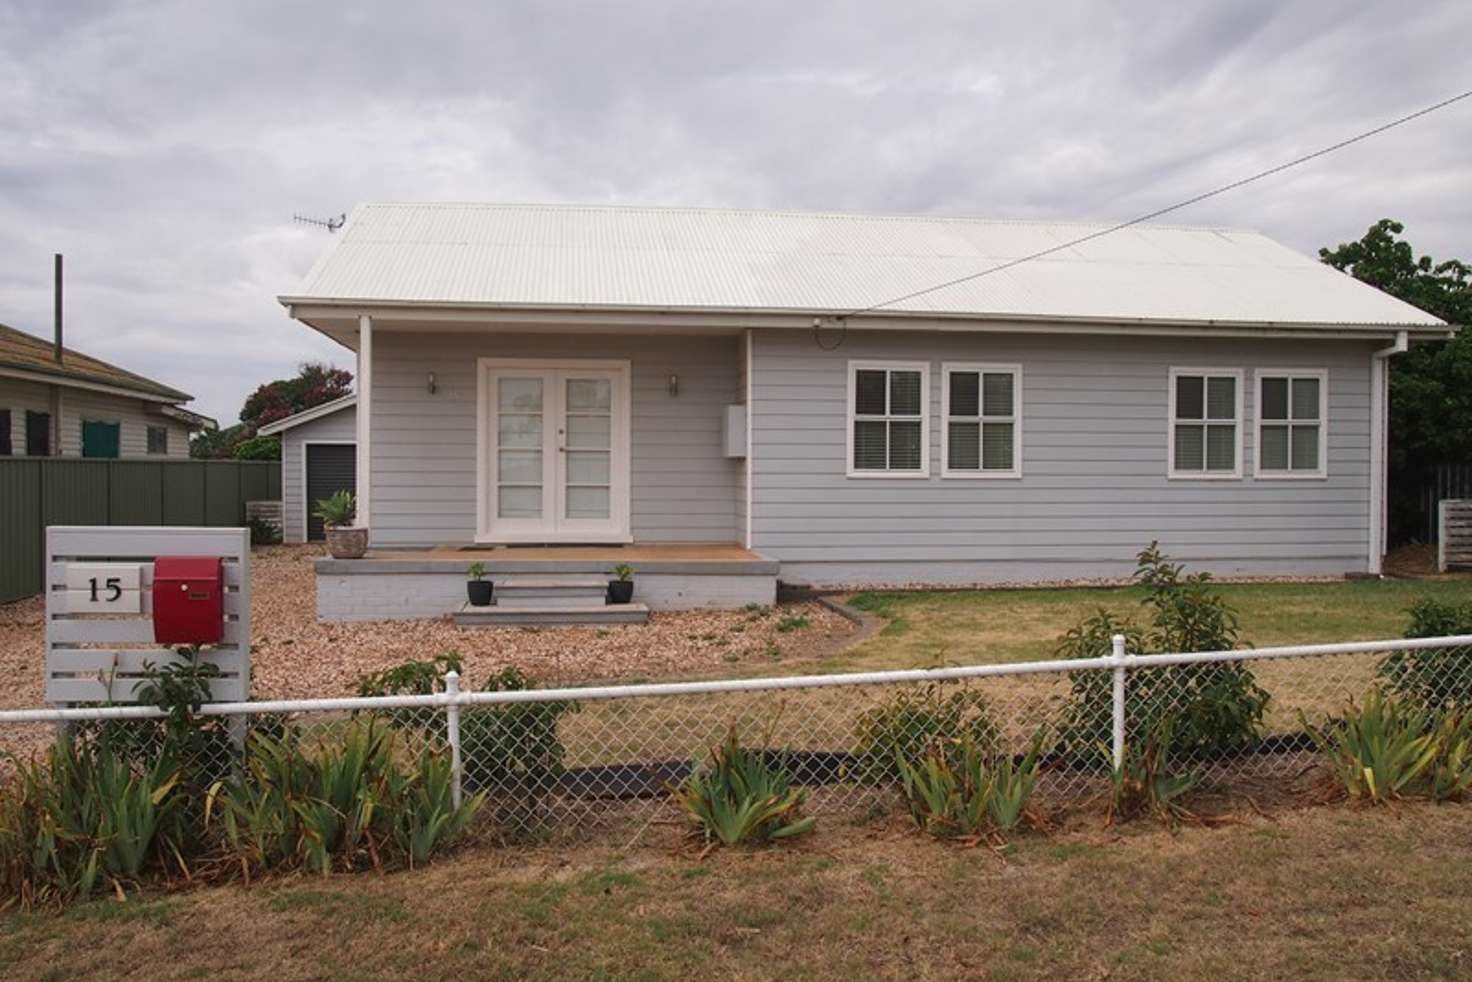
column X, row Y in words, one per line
column 1167, row 210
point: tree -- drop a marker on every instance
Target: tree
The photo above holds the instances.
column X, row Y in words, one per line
column 314, row 384
column 1431, row 385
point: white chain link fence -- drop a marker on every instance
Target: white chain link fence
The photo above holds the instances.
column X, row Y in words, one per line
column 598, row 763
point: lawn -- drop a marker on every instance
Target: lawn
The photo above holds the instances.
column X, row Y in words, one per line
column 1326, row 892
column 987, row 626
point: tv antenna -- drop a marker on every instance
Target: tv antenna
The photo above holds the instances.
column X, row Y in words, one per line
column 331, row 224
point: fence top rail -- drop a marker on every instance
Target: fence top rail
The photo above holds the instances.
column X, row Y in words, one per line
column 716, row 686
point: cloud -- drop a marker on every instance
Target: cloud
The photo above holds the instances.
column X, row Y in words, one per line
column 164, row 146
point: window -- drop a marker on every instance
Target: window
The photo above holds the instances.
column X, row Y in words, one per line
column 5, row 450
column 889, row 431
column 38, row 434
column 1205, row 423
column 1292, row 407
column 981, row 406
column 158, row 439
column 99, row 439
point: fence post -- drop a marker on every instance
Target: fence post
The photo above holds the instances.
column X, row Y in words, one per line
column 1118, row 659
column 452, row 726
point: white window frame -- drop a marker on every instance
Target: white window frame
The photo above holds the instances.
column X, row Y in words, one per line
column 1319, row 473
column 1235, row 474
column 1015, row 418
column 852, row 417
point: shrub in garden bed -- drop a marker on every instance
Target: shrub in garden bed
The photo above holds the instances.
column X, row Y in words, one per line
column 1384, row 748
column 1434, row 678
column 739, row 796
column 904, row 728
column 961, row 788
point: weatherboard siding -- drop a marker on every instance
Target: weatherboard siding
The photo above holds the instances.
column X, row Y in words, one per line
column 134, row 416
column 423, row 491
column 338, row 427
column 1093, row 489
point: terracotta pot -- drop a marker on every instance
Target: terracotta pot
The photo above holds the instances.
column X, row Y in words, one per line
column 479, row 592
column 346, row 542
column 620, row 591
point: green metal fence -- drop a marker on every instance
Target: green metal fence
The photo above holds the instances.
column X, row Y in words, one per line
column 40, row 491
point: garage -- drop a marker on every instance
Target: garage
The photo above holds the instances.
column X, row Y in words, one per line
column 319, row 457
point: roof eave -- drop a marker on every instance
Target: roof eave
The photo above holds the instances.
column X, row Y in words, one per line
column 36, row 374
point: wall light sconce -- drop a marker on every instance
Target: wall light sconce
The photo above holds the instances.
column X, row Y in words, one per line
column 430, row 384
column 674, row 384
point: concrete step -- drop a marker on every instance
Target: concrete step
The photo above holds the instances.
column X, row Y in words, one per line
column 567, row 613
column 526, row 593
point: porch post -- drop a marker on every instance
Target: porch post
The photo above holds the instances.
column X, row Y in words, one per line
column 365, row 413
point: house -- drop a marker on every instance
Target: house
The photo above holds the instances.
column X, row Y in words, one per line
column 777, row 394
column 58, row 402
column 319, row 457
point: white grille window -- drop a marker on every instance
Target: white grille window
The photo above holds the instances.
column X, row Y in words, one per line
column 1205, row 423
column 1292, row 413
column 889, row 431
column 982, row 412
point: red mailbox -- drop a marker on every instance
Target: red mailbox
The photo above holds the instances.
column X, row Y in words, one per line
column 188, row 600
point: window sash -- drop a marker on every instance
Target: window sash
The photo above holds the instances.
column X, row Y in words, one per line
column 1292, row 411
column 898, row 438
column 1205, row 423
column 981, row 440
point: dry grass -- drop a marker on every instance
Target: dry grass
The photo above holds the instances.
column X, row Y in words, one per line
column 1335, row 892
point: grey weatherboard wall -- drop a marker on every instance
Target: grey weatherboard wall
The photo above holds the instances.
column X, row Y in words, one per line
column 423, row 489
column 338, row 427
column 1094, row 488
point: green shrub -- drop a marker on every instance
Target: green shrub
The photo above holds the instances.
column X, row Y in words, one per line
column 738, row 797
column 1435, row 678
column 960, row 788
column 792, row 623
column 259, row 448
column 1213, row 709
column 263, row 533
column 1383, row 749
column 908, row 725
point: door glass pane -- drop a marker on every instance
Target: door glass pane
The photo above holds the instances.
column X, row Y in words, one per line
column 964, row 395
column 587, row 467
column 587, row 502
column 869, row 392
column 1274, row 398
column 1190, row 448
column 996, row 447
column 1305, row 398
column 870, row 453
column 520, row 466
column 997, row 394
column 1190, row 400
column 589, row 395
column 1221, row 398
column 1305, row 448
column 904, row 393
column 519, row 503
column 1221, row 448
column 964, row 446
column 522, row 395
column 904, row 446
column 1273, row 450
column 590, row 432
column 519, row 431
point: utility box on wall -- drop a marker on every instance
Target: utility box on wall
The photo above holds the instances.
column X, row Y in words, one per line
column 735, row 432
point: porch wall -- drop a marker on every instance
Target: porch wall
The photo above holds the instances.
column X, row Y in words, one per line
column 423, row 492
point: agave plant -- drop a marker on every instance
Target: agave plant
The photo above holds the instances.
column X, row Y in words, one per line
column 737, row 796
column 960, row 789
column 1381, row 749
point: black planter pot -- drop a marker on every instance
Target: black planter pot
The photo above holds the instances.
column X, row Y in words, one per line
column 620, row 591
column 479, row 592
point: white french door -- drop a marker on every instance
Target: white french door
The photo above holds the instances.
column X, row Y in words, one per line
column 554, row 451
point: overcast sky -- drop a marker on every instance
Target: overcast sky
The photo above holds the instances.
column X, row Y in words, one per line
column 163, row 147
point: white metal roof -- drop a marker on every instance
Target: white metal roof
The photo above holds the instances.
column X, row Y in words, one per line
column 307, row 415
column 697, row 259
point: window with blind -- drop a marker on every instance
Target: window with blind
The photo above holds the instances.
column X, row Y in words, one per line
column 1292, row 411
column 982, row 412
column 888, row 426
column 1205, row 423
column 158, row 439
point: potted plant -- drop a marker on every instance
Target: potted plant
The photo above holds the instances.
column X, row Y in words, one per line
column 344, row 541
column 478, row 588
column 621, row 590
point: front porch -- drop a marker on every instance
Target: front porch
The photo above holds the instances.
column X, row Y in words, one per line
column 409, row 584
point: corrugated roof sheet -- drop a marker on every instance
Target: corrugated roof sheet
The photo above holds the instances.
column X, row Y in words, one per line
column 714, row 259
column 32, row 354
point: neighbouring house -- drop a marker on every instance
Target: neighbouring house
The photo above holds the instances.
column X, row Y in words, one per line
column 727, row 397
column 58, row 402
column 319, row 457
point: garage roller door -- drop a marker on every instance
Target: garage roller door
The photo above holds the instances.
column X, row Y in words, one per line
column 331, row 467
